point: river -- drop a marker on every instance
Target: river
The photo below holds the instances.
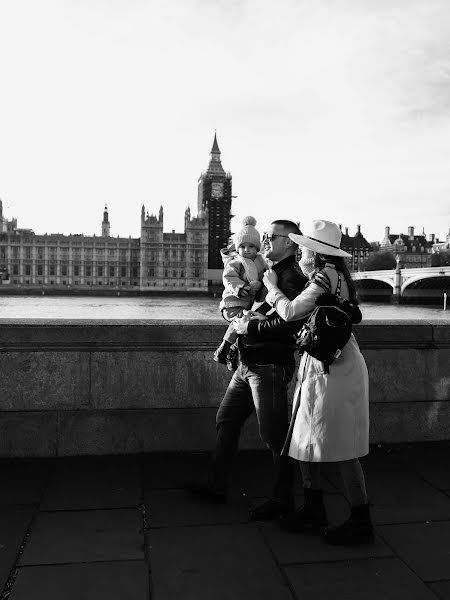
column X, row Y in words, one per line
column 172, row 308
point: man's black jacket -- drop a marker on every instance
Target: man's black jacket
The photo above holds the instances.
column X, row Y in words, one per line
column 272, row 341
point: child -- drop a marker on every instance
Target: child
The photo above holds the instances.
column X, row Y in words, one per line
column 243, row 271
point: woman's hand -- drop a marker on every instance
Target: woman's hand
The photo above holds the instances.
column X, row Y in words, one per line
column 255, row 315
column 270, row 279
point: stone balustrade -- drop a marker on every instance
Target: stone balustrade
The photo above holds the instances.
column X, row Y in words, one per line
column 113, row 387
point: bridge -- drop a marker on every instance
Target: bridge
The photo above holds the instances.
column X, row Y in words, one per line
column 401, row 280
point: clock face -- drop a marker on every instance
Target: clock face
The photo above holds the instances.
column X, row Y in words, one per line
column 217, row 190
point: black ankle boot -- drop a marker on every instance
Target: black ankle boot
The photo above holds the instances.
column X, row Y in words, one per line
column 220, row 355
column 311, row 516
column 357, row 529
column 205, row 493
column 272, row 509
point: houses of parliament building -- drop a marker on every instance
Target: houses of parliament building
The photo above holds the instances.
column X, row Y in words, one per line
column 157, row 261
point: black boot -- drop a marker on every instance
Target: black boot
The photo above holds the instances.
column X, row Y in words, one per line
column 220, row 355
column 272, row 509
column 205, row 493
column 311, row 516
column 357, row 529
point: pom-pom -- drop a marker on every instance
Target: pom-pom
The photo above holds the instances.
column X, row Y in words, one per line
column 249, row 221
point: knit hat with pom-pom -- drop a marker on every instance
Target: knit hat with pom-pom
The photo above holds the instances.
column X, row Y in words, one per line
column 248, row 234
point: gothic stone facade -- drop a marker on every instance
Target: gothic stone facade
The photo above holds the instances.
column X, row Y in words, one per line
column 157, row 261
column 174, row 261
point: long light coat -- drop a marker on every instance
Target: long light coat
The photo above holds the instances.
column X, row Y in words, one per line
column 331, row 410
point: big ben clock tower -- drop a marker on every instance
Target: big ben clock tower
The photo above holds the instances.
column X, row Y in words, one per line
column 214, row 198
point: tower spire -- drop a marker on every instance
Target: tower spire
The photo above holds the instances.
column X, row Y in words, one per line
column 215, row 147
column 215, row 164
column 105, row 223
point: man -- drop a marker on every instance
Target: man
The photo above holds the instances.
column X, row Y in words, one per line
column 260, row 383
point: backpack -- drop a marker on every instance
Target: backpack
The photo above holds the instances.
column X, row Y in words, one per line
column 328, row 327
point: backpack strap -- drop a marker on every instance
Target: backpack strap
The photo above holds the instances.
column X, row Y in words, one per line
column 338, row 287
column 323, row 280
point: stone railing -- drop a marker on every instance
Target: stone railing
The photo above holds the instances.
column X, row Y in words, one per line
column 109, row 387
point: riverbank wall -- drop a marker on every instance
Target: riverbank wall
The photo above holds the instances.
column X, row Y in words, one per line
column 418, row 297
column 115, row 387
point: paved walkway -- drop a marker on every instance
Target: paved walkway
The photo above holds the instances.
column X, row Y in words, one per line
column 120, row 528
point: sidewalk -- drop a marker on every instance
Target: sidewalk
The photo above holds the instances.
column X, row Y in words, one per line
column 120, row 528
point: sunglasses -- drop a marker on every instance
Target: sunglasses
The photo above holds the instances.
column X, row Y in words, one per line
column 269, row 237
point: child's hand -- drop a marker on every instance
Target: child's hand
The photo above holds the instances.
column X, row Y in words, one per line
column 240, row 324
column 243, row 292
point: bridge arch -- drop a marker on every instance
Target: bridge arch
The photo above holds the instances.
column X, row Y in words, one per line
column 384, row 279
column 422, row 277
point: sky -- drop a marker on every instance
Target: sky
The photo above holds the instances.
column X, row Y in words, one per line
column 329, row 109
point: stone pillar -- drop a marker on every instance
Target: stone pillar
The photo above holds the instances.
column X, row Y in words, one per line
column 396, row 297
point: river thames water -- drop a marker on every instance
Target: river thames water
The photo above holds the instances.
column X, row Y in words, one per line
column 172, row 308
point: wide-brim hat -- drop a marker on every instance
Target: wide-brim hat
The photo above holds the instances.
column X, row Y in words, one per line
column 323, row 237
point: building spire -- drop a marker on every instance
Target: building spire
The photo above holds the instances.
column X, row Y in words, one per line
column 105, row 223
column 215, row 165
column 215, row 146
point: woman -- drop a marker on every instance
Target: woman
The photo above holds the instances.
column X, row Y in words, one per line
column 331, row 410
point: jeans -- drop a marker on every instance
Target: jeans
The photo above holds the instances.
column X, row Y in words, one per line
column 260, row 388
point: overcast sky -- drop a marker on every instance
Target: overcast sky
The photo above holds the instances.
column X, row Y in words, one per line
column 323, row 109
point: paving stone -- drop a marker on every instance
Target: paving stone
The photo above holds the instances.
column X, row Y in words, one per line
column 14, row 523
column 214, row 562
column 384, row 458
column 164, row 470
column 336, row 505
column 85, row 483
column 408, row 486
column 305, row 548
column 442, row 589
column 96, row 581
column 168, row 508
column 95, row 464
column 425, row 547
column 254, row 472
column 404, row 497
column 83, row 536
column 22, row 481
column 437, row 474
column 366, row 579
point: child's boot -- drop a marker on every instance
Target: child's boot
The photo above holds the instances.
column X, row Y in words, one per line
column 220, row 355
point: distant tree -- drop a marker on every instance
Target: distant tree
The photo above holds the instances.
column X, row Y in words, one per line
column 378, row 261
column 440, row 259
